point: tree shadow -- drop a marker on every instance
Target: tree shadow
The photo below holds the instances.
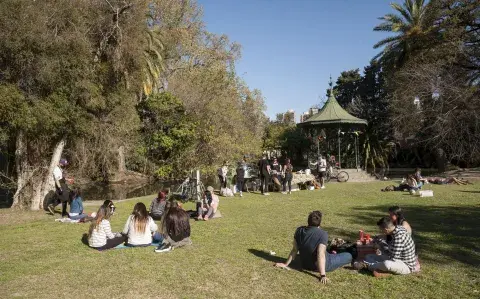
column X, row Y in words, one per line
column 439, row 232
column 465, row 191
column 295, row 264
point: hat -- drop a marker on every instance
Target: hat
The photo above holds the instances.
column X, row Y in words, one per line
column 63, row 162
column 210, row 189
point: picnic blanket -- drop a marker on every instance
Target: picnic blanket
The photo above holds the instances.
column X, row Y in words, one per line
column 302, row 178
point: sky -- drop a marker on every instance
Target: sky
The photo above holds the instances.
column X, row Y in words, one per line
column 291, row 47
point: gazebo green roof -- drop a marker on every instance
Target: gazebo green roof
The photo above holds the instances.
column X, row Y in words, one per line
column 332, row 113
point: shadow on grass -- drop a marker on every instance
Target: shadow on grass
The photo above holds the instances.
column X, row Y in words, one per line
column 85, row 239
column 439, row 231
column 465, row 191
column 295, row 265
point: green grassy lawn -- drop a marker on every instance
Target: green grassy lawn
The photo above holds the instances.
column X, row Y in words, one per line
column 40, row 258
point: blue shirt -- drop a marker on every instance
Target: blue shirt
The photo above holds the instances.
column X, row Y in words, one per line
column 76, row 206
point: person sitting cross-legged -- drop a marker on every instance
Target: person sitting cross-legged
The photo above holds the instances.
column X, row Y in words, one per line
column 311, row 241
column 400, row 260
column 207, row 208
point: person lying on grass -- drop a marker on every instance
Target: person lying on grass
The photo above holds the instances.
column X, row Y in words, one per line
column 400, row 260
column 100, row 234
column 311, row 241
column 140, row 227
column 175, row 227
column 207, row 208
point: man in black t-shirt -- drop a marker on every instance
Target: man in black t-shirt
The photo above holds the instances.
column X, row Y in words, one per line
column 264, row 168
column 311, row 241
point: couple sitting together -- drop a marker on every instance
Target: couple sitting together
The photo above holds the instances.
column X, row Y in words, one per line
column 141, row 230
column 311, row 243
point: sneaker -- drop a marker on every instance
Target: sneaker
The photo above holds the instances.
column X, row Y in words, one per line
column 359, row 265
column 266, row 193
column 323, row 187
column 284, row 192
column 241, row 194
column 51, row 209
column 164, row 248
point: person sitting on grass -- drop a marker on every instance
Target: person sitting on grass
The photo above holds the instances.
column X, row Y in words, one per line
column 207, row 208
column 311, row 241
column 401, row 258
column 100, row 234
column 108, row 204
column 157, row 207
column 76, row 206
column 175, row 228
column 140, row 227
column 396, row 214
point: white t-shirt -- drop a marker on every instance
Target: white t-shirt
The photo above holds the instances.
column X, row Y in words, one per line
column 57, row 173
column 323, row 165
column 138, row 238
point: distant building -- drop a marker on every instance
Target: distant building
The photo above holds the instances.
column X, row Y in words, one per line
column 306, row 115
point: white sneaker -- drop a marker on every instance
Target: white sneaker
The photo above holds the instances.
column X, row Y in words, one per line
column 241, row 194
column 323, row 187
column 266, row 193
column 164, row 248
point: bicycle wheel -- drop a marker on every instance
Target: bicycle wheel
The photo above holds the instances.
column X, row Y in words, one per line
column 342, row 176
column 328, row 176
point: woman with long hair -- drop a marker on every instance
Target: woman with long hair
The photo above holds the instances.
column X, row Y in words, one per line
column 100, row 234
column 157, row 207
column 175, row 228
column 396, row 214
column 140, row 227
column 288, row 176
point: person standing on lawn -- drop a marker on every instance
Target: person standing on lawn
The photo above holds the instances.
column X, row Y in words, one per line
column 311, row 241
column 222, row 175
column 61, row 188
column 240, row 178
column 288, row 176
column 322, row 170
column 264, row 168
column 400, row 260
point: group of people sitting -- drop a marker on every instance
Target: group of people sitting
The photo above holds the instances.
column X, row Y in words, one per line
column 395, row 248
column 140, row 229
column 412, row 183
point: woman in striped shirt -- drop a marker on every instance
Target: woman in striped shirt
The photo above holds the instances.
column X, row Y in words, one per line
column 100, row 234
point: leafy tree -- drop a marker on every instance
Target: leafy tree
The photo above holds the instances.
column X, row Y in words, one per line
column 346, row 87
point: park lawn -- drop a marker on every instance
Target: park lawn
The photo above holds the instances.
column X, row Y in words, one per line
column 229, row 258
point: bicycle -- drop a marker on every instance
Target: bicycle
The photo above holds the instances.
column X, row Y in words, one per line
column 334, row 172
column 188, row 191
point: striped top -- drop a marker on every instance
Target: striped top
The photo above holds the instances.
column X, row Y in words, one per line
column 99, row 235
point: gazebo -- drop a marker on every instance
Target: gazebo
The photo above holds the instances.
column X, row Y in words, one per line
column 332, row 117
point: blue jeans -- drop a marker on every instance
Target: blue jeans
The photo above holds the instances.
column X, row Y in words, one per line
column 78, row 217
column 335, row 261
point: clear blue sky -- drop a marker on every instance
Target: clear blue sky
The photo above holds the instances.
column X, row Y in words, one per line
column 290, row 47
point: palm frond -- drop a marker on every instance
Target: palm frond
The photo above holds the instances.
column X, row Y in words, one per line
column 404, row 12
column 387, row 40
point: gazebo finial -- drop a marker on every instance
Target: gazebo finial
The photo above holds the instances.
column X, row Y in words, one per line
column 331, row 85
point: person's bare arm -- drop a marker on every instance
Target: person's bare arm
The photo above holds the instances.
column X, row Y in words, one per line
column 57, row 183
column 291, row 256
column 407, row 227
column 321, row 261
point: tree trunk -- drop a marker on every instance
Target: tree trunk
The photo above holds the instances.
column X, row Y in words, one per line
column 120, row 173
column 47, row 183
column 20, row 168
column 440, row 159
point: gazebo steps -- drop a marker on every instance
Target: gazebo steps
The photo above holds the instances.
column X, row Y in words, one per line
column 358, row 175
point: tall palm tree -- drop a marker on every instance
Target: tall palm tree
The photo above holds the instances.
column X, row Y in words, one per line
column 153, row 62
column 410, row 24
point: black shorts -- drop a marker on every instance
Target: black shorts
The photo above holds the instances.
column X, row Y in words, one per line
column 322, row 174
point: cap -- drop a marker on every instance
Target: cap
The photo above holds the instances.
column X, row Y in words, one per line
column 63, row 162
